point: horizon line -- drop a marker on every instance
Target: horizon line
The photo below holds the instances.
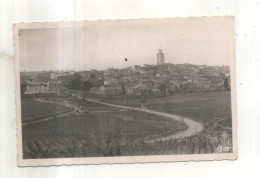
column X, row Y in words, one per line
column 78, row 70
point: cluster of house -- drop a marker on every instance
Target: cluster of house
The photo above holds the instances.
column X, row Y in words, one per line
column 45, row 83
column 158, row 79
column 135, row 80
column 54, row 83
column 50, row 88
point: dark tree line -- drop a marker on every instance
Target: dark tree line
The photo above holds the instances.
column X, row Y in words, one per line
column 77, row 84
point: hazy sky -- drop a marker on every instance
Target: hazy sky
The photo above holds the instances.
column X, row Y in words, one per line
column 104, row 44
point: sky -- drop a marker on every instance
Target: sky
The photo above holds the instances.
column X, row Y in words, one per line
column 105, row 44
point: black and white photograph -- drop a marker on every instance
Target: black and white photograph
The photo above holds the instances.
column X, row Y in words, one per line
column 125, row 91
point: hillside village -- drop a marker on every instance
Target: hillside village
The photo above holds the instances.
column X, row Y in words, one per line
column 146, row 80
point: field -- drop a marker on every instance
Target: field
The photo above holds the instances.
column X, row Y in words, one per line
column 34, row 110
column 99, row 130
column 209, row 108
column 93, row 133
column 212, row 109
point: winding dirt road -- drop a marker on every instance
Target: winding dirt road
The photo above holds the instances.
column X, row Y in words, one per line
column 193, row 126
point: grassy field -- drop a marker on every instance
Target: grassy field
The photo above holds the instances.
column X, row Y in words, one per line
column 202, row 107
column 107, row 131
column 212, row 109
column 34, row 110
column 93, row 134
column 208, row 107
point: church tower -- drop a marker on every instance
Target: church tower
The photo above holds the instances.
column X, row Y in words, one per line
column 160, row 57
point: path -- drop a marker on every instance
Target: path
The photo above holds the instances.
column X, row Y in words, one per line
column 193, row 126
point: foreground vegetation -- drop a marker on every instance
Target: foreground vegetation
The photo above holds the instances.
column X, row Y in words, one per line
column 106, row 131
column 92, row 147
column 93, row 132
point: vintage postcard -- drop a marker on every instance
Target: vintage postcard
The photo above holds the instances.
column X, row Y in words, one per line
column 125, row 91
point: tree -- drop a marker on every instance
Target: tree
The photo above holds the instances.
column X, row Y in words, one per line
column 87, row 85
column 75, row 84
column 226, row 84
column 163, row 87
column 78, row 84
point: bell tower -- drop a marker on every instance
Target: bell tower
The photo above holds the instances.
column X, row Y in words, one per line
column 160, row 57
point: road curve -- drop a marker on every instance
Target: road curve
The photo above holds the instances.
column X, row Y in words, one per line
column 193, row 126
